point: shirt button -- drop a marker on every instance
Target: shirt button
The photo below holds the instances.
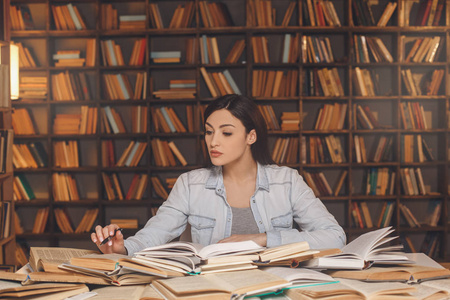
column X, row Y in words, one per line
column 254, row 201
column 219, row 190
column 260, row 222
column 229, row 220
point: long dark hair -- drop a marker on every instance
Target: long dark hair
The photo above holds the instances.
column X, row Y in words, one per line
column 248, row 113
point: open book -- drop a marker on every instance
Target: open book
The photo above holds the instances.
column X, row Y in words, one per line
column 227, row 285
column 190, row 258
column 407, row 273
column 353, row 289
column 49, row 258
column 48, row 291
column 362, row 252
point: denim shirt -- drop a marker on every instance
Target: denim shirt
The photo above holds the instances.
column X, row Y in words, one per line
column 281, row 198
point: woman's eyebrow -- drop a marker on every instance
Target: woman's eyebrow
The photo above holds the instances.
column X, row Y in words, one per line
column 221, row 126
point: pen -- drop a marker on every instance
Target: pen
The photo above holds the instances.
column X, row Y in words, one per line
column 111, row 236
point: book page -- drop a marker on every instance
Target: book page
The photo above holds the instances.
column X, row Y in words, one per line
column 382, row 288
column 424, row 292
column 53, row 255
column 8, row 285
column 229, row 248
column 442, row 284
column 298, row 275
column 363, row 244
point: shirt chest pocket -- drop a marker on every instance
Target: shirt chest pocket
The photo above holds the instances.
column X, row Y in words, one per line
column 282, row 222
column 201, row 228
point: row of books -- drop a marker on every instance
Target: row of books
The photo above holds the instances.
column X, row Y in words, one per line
column 109, row 17
column 428, row 12
column 134, row 22
column 260, row 13
column 5, row 96
column 21, row 18
column 324, row 82
column 166, row 120
column 325, row 149
column 318, row 183
column 65, row 223
column 22, row 190
column 415, row 148
column 67, row 17
column 64, row 187
column 118, row 86
column 220, row 83
column 114, row 190
column 26, row 57
column 380, row 181
column 378, row 51
column 317, row 49
column 418, row 84
column 361, row 215
column 125, row 223
column 366, row 82
column 166, row 153
column 70, row 86
column 285, row 150
column 112, row 53
column 382, row 149
column 25, row 156
column 83, row 123
column 320, row 13
column 424, row 49
column 33, row 87
column 132, row 154
column 413, row 116
column 364, row 117
column 363, row 14
column 412, row 182
column 6, row 148
column 66, row 154
column 274, row 83
column 331, row 117
column 214, row 14
column 40, row 221
column 68, row 58
column 22, row 123
column 158, row 187
column 269, row 117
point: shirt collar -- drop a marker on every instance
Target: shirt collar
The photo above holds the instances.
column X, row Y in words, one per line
column 215, row 179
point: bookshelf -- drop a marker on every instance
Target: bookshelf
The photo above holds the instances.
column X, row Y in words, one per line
column 7, row 233
column 360, row 73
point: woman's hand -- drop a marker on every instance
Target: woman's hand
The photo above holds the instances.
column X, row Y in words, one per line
column 259, row 238
column 115, row 245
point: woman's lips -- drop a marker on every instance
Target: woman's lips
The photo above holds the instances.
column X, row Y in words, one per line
column 215, row 153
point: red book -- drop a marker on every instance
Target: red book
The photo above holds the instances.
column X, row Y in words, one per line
column 140, row 61
column 133, row 185
column 426, row 13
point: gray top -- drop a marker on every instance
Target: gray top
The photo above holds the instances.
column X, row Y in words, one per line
column 243, row 221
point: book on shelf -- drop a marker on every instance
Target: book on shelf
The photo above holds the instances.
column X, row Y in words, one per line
column 87, row 222
column 109, row 17
column 387, row 14
column 137, row 57
column 318, row 183
column 385, row 217
column 322, row 13
column 316, row 49
column 209, row 50
column 378, row 50
column 132, row 22
column 155, row 16
column 424, row 49
column 365, row 81
column 182, row 16
column 139, row 116
column 112, row 186
column 33, row 87
column 331, row 117
column 111, row 53
column 433, row 214
column 220, row 83
column 66, row 154
column 378, row 181
column 269, row 116
column 67, row 124
column 285, row 150
column 26, row 56
column 132, row 154
column 108, row 156
column 165, row 56
column 68, row 58
column 408, row 244
column 21, row 17
column 409, row 216
column 63, row 220
column 70, row 86
column 428, row 13
column 22, row 189
column 364, row 251
column 290, row 121
column 412, row 182
column 6, row 219
column 67, row 17
column 235, row 52
column 22, row 123
column 326, row 149
column 324, row 82
column 18, row 228
column 125, row 223
column 40, row 221
column 430, row 244
column 137, row 187
column 340, row 183
column 352, row 289
column 382, row 149
column 159, row 188
column 361, row 215
column 118, row 87
column 214, row 14
column 260, row 49
column 64, row 187
column 274, row 83
column 112, row 120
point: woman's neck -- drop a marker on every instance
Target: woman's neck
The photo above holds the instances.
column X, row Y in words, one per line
column 240, row 171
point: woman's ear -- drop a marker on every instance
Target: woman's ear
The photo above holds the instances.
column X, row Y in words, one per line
column 251, row 137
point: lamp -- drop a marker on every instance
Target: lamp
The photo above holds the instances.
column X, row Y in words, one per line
column 14, row 67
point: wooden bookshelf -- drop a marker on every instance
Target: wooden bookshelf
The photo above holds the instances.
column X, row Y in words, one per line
column 306, row 96
column 7, row 234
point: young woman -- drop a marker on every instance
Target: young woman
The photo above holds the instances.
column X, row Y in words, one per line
column 243, row 196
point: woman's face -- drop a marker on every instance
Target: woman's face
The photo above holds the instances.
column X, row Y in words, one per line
column 226, row 138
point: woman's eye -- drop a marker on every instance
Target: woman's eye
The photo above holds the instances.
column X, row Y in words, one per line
column 208, row 132
column 227, row 133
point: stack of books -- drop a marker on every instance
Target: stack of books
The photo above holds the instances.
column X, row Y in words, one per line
column 132, row 22
column 159, row 57
column 68, row 58
column 178, row 89
column 33, row 87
